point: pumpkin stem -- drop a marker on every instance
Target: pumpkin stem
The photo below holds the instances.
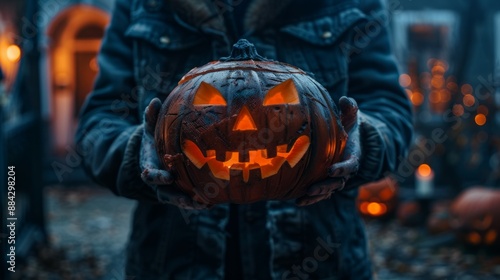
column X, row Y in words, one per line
column 244, row 50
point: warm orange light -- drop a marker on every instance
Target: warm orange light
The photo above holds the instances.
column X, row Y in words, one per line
column 93, row 65
column 13, row 53
column 257, row 159
column 244, row 121
column 458, row 110
column 208, row 95
column 474, row 238
column 284, row 93
column 363, row 207
column 437, row 81
column 363, row 194
column 417, row 98
column 386, row 194
column 424, row 170
column 434, row 97
column 405, row 80
column 480, row 119
column 376, row 209
column 438, row 69
column 469, row 100
column 466, row 89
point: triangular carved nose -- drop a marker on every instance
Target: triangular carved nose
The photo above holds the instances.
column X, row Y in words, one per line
column 244, row 121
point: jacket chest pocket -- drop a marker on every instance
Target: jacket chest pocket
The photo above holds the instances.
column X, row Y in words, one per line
column 163, row 53
column 318, row 47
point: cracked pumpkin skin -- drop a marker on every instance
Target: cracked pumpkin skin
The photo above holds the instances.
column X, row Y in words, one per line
column 248, row 129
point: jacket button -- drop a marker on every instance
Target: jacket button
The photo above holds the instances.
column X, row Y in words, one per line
column 165, row 40
column 327, row 34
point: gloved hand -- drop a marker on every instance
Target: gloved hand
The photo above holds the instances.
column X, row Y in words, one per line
column 160, row 180
column 341, row 171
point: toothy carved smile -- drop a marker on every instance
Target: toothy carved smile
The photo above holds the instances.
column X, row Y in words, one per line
column 257, row 159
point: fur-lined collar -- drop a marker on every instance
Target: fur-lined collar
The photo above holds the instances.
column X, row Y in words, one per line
column 208, row 14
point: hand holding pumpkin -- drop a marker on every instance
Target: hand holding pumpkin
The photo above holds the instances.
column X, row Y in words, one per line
column 341, row 171
column 160, row 180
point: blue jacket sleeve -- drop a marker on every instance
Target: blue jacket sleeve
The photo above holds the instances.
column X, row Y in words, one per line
column 110, row 130
column 386, row 115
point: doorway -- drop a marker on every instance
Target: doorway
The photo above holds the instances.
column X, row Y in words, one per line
column 75, row 35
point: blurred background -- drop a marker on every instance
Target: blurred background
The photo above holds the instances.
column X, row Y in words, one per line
column 436, row 217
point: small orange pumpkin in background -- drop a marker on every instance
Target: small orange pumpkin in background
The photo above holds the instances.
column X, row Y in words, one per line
column 245, row 129
column 476, row 216
column 378, row 199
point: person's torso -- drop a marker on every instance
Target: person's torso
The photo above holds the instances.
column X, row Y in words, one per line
column 278, row 240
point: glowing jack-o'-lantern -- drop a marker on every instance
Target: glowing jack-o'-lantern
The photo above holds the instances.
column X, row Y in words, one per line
column 378, row 199
column 245, row 129
column 476, row 216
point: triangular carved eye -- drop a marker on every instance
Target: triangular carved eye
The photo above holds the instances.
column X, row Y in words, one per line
column 284, row 93
column 208, row 95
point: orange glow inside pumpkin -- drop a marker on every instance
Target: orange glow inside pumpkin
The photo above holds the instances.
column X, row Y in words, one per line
column 244, row 122
column 373, row 208
column 208, row 95
column 257, row 159
column 474, row 238
column 284, row 93
column 386, row 194
column 363, row 194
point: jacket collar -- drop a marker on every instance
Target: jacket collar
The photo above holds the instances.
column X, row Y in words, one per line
column 208, row 15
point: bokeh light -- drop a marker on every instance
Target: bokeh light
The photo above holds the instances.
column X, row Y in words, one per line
column 466, row 89
column 405, row 80
column 417, row 98
column 480, row 119
column 458, row 110
column 13, row 53
column 469, row 100
column 424, row 170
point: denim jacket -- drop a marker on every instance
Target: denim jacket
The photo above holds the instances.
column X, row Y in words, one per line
column 151, row 44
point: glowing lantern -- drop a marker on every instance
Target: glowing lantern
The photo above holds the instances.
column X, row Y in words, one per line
column 476, row 216
column 13, row 53
column 245, row 129
column 378, row 199
column 424, row 181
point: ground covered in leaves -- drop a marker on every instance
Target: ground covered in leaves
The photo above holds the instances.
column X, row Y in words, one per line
column 88, row 229
column 409, row 253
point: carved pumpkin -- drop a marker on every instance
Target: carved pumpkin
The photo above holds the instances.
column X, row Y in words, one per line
column 378, row 199
column 245, row 129
column 476, row 216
